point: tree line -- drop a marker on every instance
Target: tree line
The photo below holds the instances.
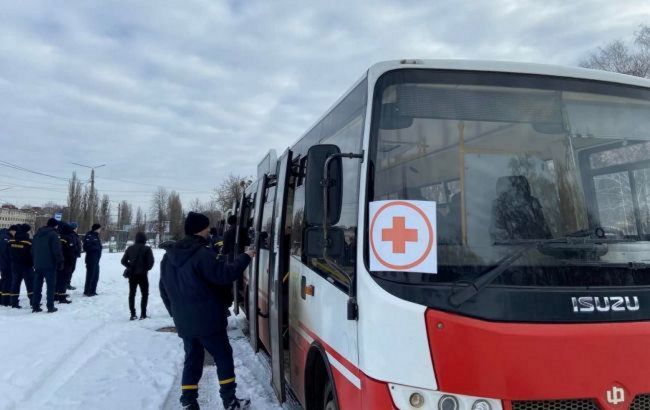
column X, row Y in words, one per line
column 164, row 218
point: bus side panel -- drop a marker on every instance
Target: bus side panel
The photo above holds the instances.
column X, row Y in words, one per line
column 322, row 318
column 298, row 345
column 263, row 299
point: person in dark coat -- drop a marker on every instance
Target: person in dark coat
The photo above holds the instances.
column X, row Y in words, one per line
column 138, row 259
column 5, row 265
column 22, row 264
column 48, row 258
column 77, row 252
column 190, row 273
column 229, row 238
column 69, row 258
column 93, row 248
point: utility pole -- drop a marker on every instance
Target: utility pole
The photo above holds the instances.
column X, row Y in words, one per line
column 92, row 189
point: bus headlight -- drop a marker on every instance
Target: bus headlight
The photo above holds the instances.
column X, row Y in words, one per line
column 481, row 405
column 448, row 402
column 416, row 400
column 406, row 397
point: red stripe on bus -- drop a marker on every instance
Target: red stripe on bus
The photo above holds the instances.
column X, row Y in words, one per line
column 345, row 362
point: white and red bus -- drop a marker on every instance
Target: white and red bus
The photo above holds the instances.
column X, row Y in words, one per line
column 459, row 235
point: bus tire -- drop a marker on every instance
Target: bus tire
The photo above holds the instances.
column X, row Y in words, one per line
column 320, row 391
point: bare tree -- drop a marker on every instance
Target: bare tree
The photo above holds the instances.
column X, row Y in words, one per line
column 88, row 203
column 139, row 221
column 124, row 214
column 75, row 198
column 159, row 209
column 229, row 191
column 105, row 212
column 209, row 209
column 176, row 216
column 620, row 57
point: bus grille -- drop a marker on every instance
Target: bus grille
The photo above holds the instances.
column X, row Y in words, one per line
column 641, row 402
column 577, row 404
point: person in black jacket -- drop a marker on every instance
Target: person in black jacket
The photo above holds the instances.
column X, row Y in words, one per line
column 69, row 258
column 5, row 265
column 93, row 249
column 229, row 238
column 22, row 264
column 77, row 252
column 48, row 258
column 138, row 260
column 190, row 274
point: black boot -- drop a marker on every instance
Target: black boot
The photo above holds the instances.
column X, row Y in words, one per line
column 64, row 300
column 237, row 404
column 36, row 309
column 52, row 310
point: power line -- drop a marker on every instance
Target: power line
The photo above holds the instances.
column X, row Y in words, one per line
column 15, row 178
column 151, row 185
column 31, row 171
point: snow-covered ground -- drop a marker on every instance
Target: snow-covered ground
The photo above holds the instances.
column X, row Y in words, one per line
column 89, row 355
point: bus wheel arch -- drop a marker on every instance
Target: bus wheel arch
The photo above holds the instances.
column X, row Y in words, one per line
column 319, row 380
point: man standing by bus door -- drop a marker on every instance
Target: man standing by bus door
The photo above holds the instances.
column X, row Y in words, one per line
column 189, row 275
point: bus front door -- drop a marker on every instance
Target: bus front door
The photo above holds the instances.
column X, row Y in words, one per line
column 276, row 276
column 253, row 279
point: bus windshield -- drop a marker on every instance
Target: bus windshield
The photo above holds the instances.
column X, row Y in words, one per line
column 512, row 159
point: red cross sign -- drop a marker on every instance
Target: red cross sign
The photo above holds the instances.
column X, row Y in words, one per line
column 403, row 236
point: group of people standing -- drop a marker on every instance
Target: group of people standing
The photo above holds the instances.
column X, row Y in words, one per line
column 49, row 257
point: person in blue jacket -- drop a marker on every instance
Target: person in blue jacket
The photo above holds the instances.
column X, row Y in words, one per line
column 93, row 248
column 48, row 258
column 22, row 264
column 5, row 265
column 191, row 274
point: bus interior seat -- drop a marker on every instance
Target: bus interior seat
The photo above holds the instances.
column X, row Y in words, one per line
column 516, row 214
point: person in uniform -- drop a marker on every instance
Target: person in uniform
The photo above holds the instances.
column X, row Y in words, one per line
column 93, row 248
column 48, row 259
column 69, row 258
column 77, row 252
column 22, row 264
column 190, row 275
column 5, row 265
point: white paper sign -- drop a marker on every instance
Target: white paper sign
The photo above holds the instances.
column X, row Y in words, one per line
column 403, row 236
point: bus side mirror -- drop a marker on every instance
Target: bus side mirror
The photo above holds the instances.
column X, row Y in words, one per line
column 315, row 180
column 314, row 242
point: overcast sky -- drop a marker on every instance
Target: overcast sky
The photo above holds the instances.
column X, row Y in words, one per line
column 182, row 93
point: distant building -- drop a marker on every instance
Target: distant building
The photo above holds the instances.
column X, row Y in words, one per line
column 10, row 215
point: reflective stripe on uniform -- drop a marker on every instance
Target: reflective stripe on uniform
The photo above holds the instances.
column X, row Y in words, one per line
column 190, row 387
column 231, row 380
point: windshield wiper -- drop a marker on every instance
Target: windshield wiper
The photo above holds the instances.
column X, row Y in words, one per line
column 456, row 299
column 576, row 244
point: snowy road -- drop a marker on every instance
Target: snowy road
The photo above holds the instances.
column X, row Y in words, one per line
column 90, row 356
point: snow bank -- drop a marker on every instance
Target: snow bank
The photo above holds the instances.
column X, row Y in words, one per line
column 89, row 355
